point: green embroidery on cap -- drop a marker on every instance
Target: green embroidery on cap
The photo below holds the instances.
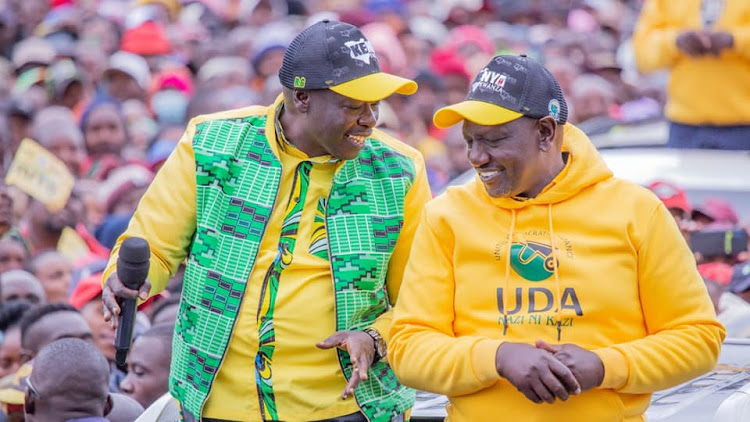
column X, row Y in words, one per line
column 299, row 81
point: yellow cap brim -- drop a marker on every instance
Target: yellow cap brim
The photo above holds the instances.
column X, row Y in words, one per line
column 11, row 396
column 478, row 112
column 375, row 87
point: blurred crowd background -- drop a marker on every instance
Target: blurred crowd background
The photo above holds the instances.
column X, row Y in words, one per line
column 107, row 86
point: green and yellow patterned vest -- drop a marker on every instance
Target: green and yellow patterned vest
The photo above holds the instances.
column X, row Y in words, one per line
column 238, row 175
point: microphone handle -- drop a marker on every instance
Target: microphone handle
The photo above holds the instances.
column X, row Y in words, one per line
column 124, row 335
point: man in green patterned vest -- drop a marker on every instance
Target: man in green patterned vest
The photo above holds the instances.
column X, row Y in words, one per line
column 296, row 220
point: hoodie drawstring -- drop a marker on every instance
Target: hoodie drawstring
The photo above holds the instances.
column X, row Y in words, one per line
column 507, row 270
column 557, row 276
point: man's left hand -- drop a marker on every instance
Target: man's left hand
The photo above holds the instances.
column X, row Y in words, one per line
column 361, row 348
column 585, row 365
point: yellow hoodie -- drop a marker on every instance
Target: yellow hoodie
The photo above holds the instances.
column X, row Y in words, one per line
column 625, row 287
column 704, row 90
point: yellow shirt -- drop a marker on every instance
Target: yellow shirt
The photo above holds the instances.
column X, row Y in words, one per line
column 307, row 381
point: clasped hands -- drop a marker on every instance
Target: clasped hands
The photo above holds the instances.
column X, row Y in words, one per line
column 702, row 43
column 544, row 373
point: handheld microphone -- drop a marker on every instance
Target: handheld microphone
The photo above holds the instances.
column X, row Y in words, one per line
column 132, row 270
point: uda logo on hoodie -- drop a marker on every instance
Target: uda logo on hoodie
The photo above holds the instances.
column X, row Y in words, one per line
column 532, row 260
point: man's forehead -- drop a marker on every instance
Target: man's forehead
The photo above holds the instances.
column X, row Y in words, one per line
column 520, row 124
column 475, row 129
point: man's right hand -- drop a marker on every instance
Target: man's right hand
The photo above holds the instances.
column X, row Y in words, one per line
column 114, row 291
column 535, row 372
column 694, row 43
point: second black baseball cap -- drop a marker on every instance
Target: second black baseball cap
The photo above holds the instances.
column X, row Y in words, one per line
column 507, row 88
column 337, row 56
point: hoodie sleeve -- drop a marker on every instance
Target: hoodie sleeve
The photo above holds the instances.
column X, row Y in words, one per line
column 414, row 203
column 423, row 351
column 165, row 217
column 685, row 337
column 741, row 34
column 655, row 37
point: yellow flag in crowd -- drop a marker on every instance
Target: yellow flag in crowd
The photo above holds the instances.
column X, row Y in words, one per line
column 71, row 245
column 40, row 174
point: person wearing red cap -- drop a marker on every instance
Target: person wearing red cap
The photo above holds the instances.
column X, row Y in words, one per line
column 147, row 40
column 86, row 298
column 675, row 199
column 715, row 211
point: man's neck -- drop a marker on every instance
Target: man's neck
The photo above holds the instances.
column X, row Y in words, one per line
column 555, row 168
column 294, row 133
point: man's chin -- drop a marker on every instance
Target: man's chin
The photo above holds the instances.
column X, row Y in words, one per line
column 346, row 155
column 496, row 192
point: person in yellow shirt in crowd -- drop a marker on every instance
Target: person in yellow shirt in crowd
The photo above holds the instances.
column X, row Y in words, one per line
column 296, row 220
column 546, row 279
column 705, row 45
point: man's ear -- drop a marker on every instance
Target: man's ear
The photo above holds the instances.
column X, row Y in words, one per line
column 108, row 404
column 301, row 100
column 547, row 129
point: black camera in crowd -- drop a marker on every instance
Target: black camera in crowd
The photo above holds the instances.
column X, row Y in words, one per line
column 717, row 243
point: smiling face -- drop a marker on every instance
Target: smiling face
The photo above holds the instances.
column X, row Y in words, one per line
column 510, row 158
column 334, row 124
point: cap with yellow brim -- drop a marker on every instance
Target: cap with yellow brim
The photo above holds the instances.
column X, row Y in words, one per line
column 375, row 87
column 478, row 112
column 507, row 88
column 337, row 56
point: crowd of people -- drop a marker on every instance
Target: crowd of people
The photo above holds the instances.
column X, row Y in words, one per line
column 120, row 80
column 110, row 86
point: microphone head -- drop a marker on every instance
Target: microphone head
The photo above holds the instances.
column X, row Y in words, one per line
column 135, row 250
column 133, row 262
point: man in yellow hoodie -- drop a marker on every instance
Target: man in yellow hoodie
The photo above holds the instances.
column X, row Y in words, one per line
column 705, row 44
column 546, row 279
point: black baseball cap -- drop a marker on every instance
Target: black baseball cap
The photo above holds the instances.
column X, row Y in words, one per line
column 337, row 56
column 507, row 88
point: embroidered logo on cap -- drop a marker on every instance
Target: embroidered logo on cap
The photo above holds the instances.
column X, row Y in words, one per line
column 300, row 81
column 554, row 108
column 360, row 50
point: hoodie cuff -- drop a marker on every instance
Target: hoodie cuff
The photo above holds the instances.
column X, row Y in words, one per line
column 616, row 371
column 483, row 360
